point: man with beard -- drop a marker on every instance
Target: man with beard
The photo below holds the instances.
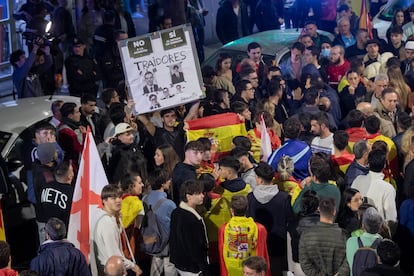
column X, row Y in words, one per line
column 89, row 116
column 338, row 67
column 323, row 141
column 126, row 155
column 170, row 133
column 409, row 56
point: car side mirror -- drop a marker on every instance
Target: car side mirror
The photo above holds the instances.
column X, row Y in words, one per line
column 13, row 165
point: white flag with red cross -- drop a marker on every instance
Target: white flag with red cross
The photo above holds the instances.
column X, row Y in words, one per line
column 87, row 203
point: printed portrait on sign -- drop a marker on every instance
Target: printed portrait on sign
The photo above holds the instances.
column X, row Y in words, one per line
column 154, row 101
column 150, row 83
column 177, row 74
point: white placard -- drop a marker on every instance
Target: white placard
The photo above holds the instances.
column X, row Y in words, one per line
column 162, row 69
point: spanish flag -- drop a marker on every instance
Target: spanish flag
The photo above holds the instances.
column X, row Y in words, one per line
column 2, row 230
column 364, row 20
column 220, row 129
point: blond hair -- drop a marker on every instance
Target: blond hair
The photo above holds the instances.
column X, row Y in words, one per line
column 285, row 168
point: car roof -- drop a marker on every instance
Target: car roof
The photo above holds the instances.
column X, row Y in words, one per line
column 17, row 115
column 272, row 41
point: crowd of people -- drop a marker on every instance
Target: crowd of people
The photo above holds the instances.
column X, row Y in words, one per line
column 338, row 117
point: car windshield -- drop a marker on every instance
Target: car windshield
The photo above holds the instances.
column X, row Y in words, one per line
column 4, row 138
column 389, row 11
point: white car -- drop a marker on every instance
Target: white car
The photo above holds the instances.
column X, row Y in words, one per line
column 17, row 121
column 382, row 20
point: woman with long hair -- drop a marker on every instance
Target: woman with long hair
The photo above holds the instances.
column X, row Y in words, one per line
column 348, row 211
column 224, row 74
column 166, row 158
column 223, row 66
column 396, row 81
column 132, row 209
column 397, row 20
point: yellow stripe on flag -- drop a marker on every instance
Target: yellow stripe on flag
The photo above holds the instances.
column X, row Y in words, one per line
column 2, row 230
column 220, row 129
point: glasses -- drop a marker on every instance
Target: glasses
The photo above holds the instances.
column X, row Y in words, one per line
column 250, row 89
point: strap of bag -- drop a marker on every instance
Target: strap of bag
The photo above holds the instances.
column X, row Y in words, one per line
column 373, row 245
column 360, row 244
column 158, row 204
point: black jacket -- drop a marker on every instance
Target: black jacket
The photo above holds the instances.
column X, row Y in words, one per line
column 82, row 73
column 276, row 223
column 54, row 200
column 188, row 242
column 112, row 69
column 181, row 173
column 60, row 258
column 227, row 23
column 126, row 158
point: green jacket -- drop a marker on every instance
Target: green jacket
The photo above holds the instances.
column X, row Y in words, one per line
column 322, row 251
column 323, row 190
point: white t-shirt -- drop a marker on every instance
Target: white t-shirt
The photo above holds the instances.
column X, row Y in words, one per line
column 323, row 144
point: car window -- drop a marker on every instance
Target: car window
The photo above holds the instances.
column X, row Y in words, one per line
column 22, row 142
column 236, row 57
column 389, row 11
column 4, row 139
column 285, row 56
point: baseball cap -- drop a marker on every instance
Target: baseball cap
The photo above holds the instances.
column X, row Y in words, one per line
column 409, row 45
column 122, row 128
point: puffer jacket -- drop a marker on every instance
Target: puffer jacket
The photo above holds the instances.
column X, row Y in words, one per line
column 322, row 250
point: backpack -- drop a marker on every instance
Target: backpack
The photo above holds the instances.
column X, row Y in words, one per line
column 154, row 239
column 365, row 257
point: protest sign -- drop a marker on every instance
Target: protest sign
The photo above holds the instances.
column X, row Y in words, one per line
column 162, row 69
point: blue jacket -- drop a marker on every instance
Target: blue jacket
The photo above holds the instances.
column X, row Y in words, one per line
column 353, row 171
column 299, row 151
column 59, row 258
column 164, row 211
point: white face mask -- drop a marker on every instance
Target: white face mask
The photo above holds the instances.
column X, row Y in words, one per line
column 325, row 52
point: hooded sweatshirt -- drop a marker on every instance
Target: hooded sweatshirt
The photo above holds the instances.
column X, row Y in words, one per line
column 263, row 202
